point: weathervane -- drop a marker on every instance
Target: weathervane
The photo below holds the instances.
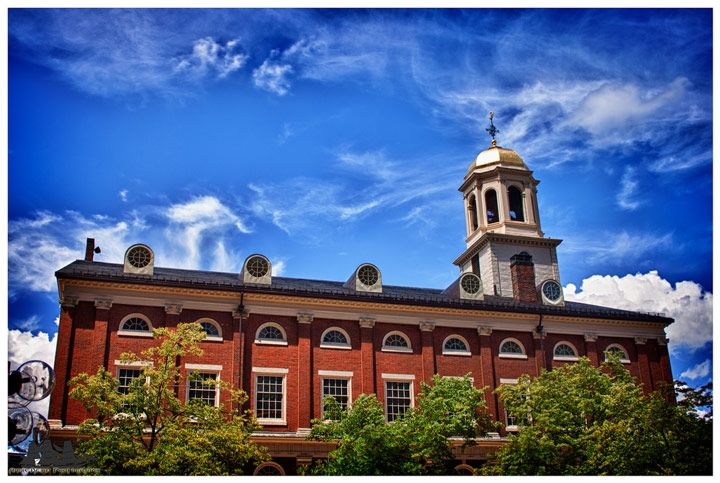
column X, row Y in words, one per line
column 492, row 130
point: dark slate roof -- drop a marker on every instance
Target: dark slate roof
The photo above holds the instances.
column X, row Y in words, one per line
column 112, row 272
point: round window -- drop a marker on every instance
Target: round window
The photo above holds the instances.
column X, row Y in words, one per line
column 552, row 290
column 139, row 256
column 368, row 275
column 470, row 283
column 258, row 267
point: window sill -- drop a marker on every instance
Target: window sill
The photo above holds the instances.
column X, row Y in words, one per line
column 271, row 342
column 566, row 358
column 512, row 429
column 134, row 333
column 213, row 339
column 512, row 356
column 272, row 422
column 404, row 350
column 341, row 347
column 457, row 353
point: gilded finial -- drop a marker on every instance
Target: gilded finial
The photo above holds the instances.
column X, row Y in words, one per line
column 492, row 130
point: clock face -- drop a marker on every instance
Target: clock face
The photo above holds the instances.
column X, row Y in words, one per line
column 551, row 290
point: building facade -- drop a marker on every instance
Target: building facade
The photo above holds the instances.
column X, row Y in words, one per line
column 290, row 342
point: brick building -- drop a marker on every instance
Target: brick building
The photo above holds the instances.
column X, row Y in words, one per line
column 289, row 342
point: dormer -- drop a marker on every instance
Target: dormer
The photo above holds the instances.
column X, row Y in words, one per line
column 366, row 278
column 467, row 287
column 257, row 269
column 139, row 260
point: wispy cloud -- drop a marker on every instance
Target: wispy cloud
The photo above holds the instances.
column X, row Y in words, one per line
column 686, row 302
column 123, row 194
column 30, row 324
column 698, row 371
column 373, row 182
column 616, row 248
column 627, row 196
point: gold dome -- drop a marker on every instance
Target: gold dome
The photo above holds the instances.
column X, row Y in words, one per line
column 497, row 155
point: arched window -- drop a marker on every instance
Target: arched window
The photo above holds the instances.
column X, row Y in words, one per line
column 455, row 345
column 269, row 468
column 270, row 333
column 335, row 338
column 137, row 325
column 491, row 207
column 564, row 351
column 396, row 342
column 619, row 350
column 472, row 210
column 512, row 348
column 212, row 329
column 516, row 204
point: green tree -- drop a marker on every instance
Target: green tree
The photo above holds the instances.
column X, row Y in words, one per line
column 583, row 420
column 416, row 444
column 149, row 431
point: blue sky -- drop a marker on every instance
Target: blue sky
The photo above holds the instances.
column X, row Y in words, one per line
column 327, row 138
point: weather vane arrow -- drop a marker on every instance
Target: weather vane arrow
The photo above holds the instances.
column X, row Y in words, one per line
column 492, row 130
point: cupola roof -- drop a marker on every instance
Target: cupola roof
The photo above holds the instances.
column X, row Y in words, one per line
column 497, row 155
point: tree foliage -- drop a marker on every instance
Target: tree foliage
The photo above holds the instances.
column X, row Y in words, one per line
column 149, row 431
column 583, row 420
column 416, row 444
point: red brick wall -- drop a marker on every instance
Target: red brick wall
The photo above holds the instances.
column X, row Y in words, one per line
column 303, row 357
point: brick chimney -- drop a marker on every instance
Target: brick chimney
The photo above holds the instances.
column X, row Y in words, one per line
column 89, row 249
column 522, row 271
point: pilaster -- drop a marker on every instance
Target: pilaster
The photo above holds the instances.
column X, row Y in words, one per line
column 238, row 346
column 591, row 349
column 63, row 361
column 101, row 332
column 367, row 355
column 305, row 402
column 428, row 352
column 487, row 369
column 644, row 364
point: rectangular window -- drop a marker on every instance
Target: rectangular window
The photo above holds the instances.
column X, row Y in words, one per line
column 398, row 398
column 269, row 397
column 125, row 377
column 199, row 388
column 337, row 388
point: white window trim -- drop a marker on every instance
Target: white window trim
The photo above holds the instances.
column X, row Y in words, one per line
column 513, row 428
column 406, row 350
column 333, row 345
column 258, row 340
column 504, row 380
column 271, row 371
column 624, row 360
column 334, row 376
column 409, row 378
column 452, row 352
column 212, row 338
column 135, row 333
column 565, row 358
column 209, row 369
column 398, row 377
column 512, row 355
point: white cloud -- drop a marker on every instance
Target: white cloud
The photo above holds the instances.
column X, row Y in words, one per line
column 629, row 183
column 123, row 195
column 686, row 302
column 699, row 371
column 191, row 220
column 278, row 266
column 612, row 107
column 273, row 77
column 208, row 55
column 23, row 347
